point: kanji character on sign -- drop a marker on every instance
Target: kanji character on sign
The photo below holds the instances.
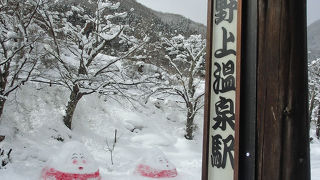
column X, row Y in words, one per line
column 225, row 114
column 220, row 53
column 224, row 10
column 227, row 82
column 218, row 159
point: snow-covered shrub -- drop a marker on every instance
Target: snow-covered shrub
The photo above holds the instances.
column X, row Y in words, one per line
column 20, row 49
column 314, row 99
column 5, row 157
column 78, row 42
column 182, row 77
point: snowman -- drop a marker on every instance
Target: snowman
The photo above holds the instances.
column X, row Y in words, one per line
column 72, row 162
column 155, row 165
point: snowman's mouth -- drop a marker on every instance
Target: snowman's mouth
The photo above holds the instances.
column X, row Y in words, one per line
column 80, row 168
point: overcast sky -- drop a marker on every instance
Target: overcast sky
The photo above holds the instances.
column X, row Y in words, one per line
column 313, row 10
column 197, row 9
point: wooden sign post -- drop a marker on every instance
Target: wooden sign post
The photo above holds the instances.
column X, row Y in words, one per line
column 282, row 91
column 223, row 90
column 266, row 135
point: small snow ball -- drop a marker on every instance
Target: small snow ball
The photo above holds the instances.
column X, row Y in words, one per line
column 156, row 165
column 72, row 162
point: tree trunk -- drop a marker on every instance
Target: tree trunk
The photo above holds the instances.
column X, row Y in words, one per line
column 2, row 102
column 2, row 138
column 311, row 106
column 318, row 124
column 75, row 96
column 3, row 84
column 190, row 123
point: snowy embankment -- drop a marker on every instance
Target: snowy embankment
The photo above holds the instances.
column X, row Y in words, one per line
column 32, row 122
column 34, row 129
column 314, row 154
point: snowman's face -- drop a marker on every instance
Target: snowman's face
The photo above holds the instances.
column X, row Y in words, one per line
column 79, row 160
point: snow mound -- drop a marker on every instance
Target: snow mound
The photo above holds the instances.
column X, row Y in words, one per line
column 156, row 165
column 152, row 139
column 73, row 158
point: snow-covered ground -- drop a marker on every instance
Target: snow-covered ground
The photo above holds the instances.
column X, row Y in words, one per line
column 314, row 155
column 32, row 122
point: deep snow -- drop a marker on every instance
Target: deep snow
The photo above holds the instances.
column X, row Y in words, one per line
column 314, row 154
column 32, row 123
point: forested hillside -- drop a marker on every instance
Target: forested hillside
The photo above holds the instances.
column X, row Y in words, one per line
column 170, row 23
column 314, row 40
column 314, row 89
column 99, row 89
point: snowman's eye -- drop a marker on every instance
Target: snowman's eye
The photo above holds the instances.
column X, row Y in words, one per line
column 74, row 156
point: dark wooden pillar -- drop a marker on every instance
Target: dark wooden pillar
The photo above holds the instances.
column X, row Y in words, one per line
column 248, row 99
column 282, row 113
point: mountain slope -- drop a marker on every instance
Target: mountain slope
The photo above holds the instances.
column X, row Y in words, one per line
column 166, row 22
column 142, row 17
column 314, row 40
column 181, row 23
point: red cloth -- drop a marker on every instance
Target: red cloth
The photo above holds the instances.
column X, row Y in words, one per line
column 148, row 171
column 48, row 174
